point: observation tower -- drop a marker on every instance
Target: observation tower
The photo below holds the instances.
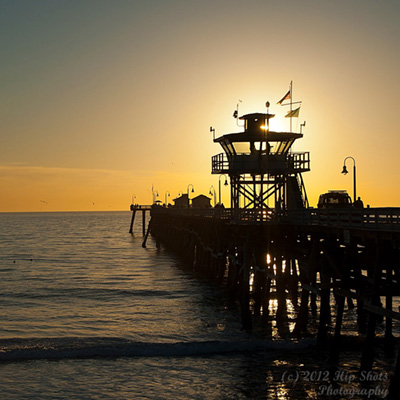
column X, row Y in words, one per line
column 264, row 172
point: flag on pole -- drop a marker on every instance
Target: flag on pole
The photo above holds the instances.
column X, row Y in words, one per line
column 293, row 113
column 285, row 97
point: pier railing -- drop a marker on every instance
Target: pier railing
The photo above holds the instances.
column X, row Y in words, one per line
column 141, row 206
column 383, row 219
column 387, row 219
column 242, row 214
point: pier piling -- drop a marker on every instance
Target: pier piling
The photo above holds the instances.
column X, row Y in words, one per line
column 132, row 220
column 245, row 288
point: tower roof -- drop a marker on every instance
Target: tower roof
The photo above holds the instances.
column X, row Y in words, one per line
column 269, row 136
column 257, row 116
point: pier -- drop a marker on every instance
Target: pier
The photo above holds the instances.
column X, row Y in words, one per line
column 270, row 246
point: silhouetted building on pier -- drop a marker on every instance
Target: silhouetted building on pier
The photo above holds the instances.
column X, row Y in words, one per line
column 182, row 201
column 201, row 201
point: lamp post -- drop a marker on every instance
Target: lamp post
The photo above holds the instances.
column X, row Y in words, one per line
column 211, row 192
column 188, row 192
column 166, row 205
column 354, row 175
column 219, row 186
column 155, row 195
column 133, row 205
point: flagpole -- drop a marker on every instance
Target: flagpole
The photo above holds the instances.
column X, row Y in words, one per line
column 291, row 113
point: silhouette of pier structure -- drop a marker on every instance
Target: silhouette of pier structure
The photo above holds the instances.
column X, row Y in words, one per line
column 143, row 209
column 271, row 247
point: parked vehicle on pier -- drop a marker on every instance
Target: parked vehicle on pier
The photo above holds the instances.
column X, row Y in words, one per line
column 334, row 199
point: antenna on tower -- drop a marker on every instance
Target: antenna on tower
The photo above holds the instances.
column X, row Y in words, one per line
column 236, row 114
column 269, row 116
column 212, row 130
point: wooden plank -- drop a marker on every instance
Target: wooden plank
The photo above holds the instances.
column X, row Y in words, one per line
column 310, row 288
column 381, row 311
column 367, row 305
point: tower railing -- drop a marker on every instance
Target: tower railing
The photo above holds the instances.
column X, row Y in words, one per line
column 258, row 163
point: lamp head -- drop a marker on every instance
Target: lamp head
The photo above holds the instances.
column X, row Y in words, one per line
column 226, row 182
column 345, row 170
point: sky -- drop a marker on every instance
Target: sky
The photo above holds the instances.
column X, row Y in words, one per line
column 103, row 101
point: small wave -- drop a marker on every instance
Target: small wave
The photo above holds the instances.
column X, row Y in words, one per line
column 68, row 348
column 93, row 293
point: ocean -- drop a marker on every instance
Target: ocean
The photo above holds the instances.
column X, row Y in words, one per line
column 88, row 313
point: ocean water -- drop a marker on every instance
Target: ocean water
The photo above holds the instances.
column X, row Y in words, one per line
column 88, row 313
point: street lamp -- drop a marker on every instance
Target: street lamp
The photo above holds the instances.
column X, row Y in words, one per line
column 169, row 194
column 155, row 195
column 219, row 186
column 188, row 192
column 188, row 189
column 354, row 175
column 133, row 202
column 211, row 192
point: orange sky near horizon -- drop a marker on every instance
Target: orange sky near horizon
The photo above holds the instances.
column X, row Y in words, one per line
column 101, row 100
